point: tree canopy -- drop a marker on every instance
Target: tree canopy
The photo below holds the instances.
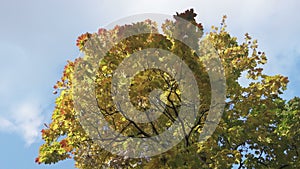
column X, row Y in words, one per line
column 257, row 129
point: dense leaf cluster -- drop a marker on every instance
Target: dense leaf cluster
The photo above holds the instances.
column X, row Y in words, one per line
column 258, row 129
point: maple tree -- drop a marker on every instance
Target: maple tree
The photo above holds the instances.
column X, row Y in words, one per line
column 258, row 129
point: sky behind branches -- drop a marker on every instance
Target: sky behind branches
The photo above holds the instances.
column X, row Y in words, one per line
column 38, row 37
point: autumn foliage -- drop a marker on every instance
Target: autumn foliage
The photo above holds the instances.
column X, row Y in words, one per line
column 258, row 128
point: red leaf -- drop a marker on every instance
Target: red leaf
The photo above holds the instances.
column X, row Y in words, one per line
column 37, row 160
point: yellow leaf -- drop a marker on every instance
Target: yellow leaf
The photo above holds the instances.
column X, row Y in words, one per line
column 104, row 68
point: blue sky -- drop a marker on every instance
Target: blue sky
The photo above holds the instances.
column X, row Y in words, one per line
column 37, row 37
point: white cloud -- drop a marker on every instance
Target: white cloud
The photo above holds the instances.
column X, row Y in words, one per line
column 6, row 125
column 28, row 118
column 24, row 119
